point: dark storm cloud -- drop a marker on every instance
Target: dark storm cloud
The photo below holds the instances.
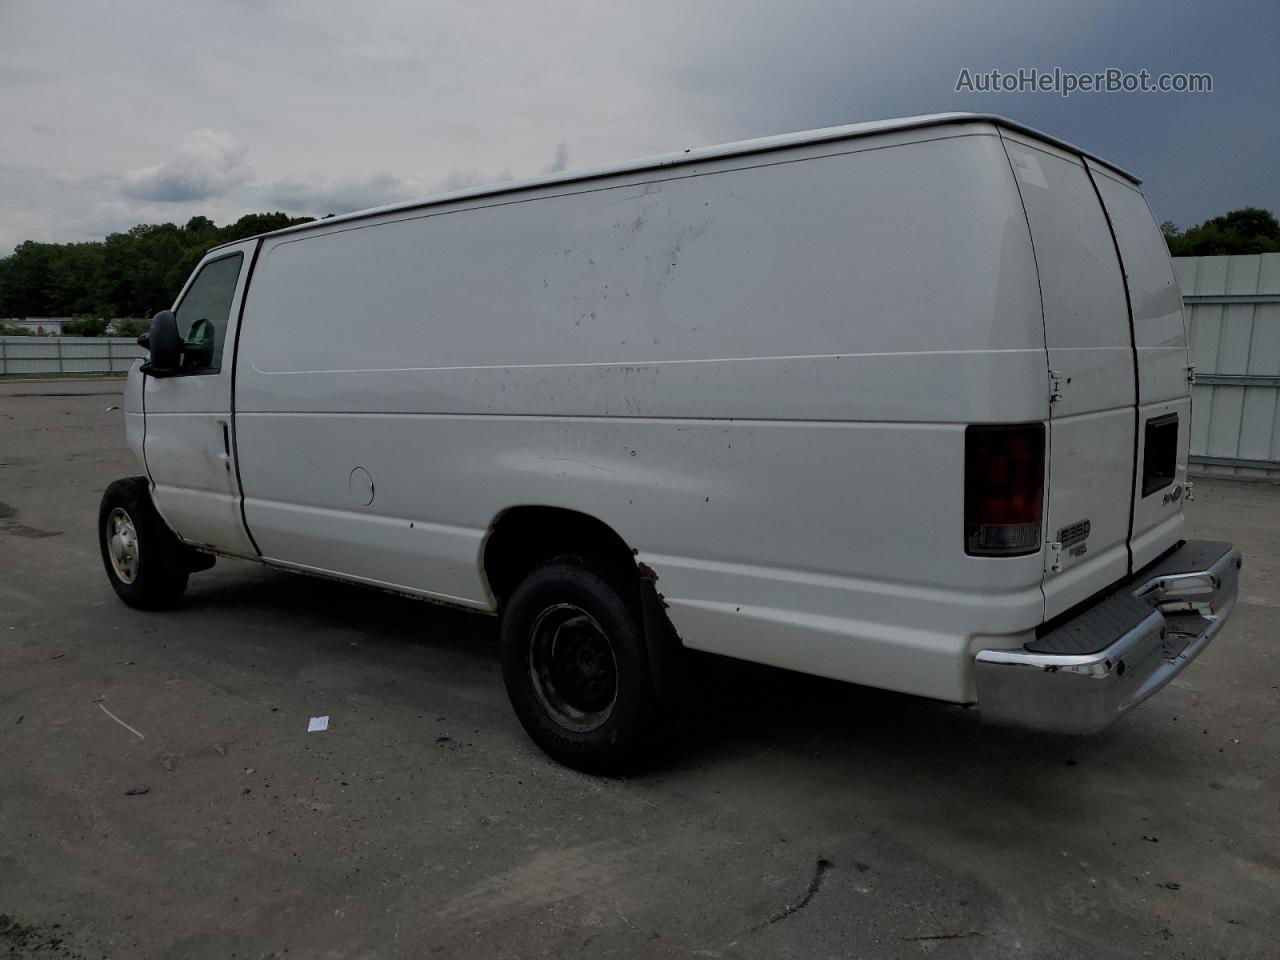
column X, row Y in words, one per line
column 1199, row 154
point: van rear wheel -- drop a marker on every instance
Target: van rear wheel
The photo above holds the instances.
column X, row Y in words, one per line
column 147, row 565
column 574, row 662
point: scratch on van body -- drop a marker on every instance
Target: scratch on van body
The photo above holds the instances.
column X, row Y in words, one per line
column 585, row 463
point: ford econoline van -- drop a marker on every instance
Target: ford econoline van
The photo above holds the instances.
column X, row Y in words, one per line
column 902, row 403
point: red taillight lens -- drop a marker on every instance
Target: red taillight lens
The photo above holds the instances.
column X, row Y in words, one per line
column 1003, row 489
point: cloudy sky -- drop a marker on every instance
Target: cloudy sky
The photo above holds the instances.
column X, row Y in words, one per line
column 115, row 113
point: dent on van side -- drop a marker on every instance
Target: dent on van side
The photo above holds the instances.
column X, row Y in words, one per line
column 904, row 404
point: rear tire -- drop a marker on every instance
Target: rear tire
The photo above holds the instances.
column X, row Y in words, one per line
column 146, row 564
column 576, row 669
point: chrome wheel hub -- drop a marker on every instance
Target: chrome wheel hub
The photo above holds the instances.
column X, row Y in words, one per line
column 122, row 545
column 572, row 666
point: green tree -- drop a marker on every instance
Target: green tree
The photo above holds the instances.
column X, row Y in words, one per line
column 130, row 274
column 1248, row 230
column 28, row 281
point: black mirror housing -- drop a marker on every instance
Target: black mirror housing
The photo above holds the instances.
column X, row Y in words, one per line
column 164, row 343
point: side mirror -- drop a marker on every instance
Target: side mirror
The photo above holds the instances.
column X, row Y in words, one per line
column 164, row 344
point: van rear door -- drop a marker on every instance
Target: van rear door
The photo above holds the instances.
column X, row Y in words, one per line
column 1164, row 390
column 1089, row 479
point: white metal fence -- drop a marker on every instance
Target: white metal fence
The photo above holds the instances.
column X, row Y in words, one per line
column 39, row 355
column 1233, row 317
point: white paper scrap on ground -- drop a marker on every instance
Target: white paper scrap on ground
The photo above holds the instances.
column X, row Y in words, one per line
column 317, row 724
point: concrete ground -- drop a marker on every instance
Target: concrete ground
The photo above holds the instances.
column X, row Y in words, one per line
column 801, row 818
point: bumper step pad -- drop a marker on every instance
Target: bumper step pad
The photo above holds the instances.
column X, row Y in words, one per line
column 1095, row 629
column 1191, row 556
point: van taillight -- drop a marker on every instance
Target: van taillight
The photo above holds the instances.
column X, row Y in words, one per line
column 1003, row 489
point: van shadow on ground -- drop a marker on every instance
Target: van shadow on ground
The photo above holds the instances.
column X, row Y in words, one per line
column 738, row 711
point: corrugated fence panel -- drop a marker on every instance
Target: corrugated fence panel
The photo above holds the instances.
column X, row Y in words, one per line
column 1233, row 312
column 38, row 355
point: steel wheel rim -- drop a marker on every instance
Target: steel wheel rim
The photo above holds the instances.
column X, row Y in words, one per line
column 122, row 545
column 572, row 667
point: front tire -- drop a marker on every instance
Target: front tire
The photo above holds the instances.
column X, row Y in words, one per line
column 146, row 564
column 576, row 670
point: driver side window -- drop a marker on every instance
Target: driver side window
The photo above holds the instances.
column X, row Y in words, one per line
column 204, row 312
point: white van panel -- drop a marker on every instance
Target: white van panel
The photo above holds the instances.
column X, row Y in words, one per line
column 722, row 266
column 736, row 518
column 976, row 386
column 1158, row 326
column 134, row 421
column 1085, row 315
column 1161, row 341
column 741, row 421
column 1086, row 324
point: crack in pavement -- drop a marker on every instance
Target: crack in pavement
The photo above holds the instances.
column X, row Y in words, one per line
column 819, row 870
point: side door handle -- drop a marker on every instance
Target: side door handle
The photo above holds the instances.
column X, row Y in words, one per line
column 225, row 456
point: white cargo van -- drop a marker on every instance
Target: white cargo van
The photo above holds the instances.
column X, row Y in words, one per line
column 902, row 403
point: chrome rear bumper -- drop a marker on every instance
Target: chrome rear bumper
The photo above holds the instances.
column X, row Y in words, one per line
column 1110, row 657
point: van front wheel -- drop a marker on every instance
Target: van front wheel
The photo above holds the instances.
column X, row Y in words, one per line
column 146, row 564
column 574, row 662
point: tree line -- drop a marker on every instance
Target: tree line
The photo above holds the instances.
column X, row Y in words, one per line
column 139, row 272
column 130, row 274
column 1248, row 230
